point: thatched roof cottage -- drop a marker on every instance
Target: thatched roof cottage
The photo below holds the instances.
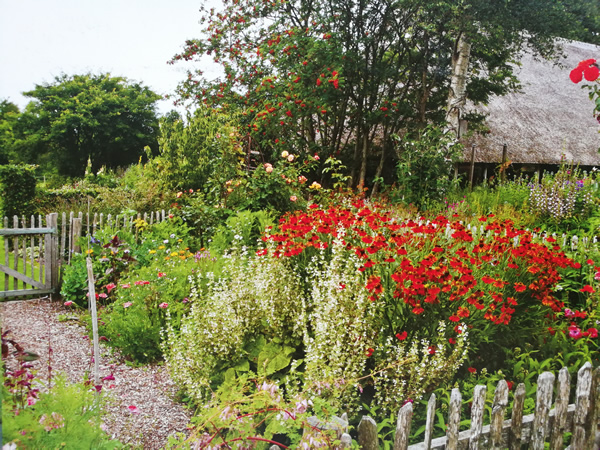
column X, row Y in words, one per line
column 549, row 118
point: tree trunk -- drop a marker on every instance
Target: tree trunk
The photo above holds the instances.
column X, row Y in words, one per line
column 457, row 94
column 363, row 165
column 381, row 163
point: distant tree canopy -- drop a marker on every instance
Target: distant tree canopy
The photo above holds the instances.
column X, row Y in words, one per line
column 106, row 119
column 9, row 113
column 342, row 77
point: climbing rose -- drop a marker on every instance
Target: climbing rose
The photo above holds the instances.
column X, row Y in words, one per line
column 587, row 69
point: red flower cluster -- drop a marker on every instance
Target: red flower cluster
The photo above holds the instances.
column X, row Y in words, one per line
column 587, row 69
column 422, row 267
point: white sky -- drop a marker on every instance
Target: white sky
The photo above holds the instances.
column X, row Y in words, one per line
column 41, row 39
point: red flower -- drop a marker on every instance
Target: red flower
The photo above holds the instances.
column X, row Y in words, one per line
column 402, row 336
column 335, row 84
column 452, row 341
column 369, row 352
column 520, row 287
column 587, row 288
column 431, row 349
column 472, row 369
column 289, row 113
column 592, row 333
column 587, row 68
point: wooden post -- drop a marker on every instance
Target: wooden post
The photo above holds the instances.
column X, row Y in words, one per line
column 542, row 410
column 454, row 419
column 16, row 253
column 498, row 410
column 429, row 422
column 403, row 427
column 76, row 234
column 92, row 303
column 472, row 168
column 560, row 409
column 477, row 411
column 367, row 434
column 52, row 264
column 582, row 406
column 516, row 422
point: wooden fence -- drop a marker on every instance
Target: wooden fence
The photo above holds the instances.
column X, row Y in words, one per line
column 36, row 248
column 30, row 263
column 550, row 425
column 72, row 226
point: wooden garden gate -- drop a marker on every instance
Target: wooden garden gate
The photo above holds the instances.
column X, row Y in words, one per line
column 30, row 263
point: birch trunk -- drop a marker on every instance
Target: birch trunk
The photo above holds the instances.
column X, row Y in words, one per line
column 457, row 94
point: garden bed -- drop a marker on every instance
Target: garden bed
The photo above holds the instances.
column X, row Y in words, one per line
column 39, row 325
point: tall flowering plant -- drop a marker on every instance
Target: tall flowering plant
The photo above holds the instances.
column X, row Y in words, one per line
column 492, row 276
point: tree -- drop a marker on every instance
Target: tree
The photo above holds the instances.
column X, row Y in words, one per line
column 9, row 113
column 105, row 119
column 341, row 77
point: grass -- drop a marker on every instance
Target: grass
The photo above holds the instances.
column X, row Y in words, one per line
column 11, row 261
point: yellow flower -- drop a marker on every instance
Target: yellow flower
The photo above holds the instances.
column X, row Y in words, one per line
column 161, row 247
column 152, row 252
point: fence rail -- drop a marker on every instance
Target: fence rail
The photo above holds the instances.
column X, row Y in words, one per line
column 546, row 426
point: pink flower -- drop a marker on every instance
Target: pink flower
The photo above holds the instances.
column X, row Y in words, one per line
column 293, row 198
column 109, row 378
column 109, row 287
column 127, row 305
column 569, row 313
column 133, row 409
column 125, row 286
column 69, row 303
column 575, row 332
column 597, row 276
column 103, row 295
column 163, row 305
column 161, row 274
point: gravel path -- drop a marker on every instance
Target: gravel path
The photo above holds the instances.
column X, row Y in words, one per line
column 35, row 325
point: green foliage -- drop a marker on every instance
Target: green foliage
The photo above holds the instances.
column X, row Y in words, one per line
column 426, row 166
column 9, row 114
column 201, row 154
column 67, row 413
column 108, row 120
column 250, row 410
column 153, row 293
column 303, row 85
column 74, row 285
column 17, row 190
column 243, row 229
column 236, row 321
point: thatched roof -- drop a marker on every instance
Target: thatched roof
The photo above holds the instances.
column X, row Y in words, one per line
column 550, row 117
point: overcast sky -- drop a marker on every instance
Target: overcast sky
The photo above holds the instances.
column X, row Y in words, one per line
column 41, row 39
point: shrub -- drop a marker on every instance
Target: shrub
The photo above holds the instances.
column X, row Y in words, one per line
column 425, row 167
column 17, row 190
